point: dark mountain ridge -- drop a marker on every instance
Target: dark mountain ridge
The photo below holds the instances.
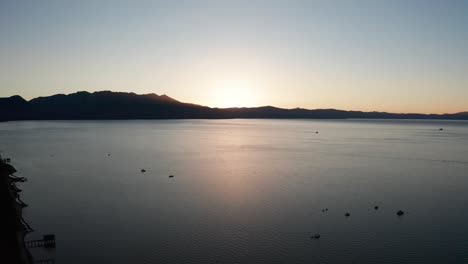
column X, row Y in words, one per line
column 119, row 105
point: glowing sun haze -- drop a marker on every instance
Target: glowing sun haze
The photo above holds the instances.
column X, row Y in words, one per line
column 234, row 93
column 398, row 56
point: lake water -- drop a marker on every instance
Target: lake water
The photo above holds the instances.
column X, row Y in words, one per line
column 245, row 191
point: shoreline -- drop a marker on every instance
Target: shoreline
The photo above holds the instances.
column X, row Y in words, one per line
column 13, row 227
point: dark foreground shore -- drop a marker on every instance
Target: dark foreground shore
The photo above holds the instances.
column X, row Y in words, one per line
column 12, row 226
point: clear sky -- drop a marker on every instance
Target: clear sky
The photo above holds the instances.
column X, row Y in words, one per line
column 399, row 56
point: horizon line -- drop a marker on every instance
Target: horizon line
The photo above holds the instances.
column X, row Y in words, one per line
column 240, row 107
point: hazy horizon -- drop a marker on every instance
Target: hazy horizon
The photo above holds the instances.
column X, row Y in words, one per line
column 391, row 56
column 159, row 94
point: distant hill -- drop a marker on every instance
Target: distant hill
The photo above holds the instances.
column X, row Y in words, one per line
column 117, row 105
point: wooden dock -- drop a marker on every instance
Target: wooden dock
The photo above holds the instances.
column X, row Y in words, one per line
column 48, row 241
column 44, row 261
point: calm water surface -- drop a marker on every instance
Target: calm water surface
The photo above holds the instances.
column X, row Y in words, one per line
column 245, row 191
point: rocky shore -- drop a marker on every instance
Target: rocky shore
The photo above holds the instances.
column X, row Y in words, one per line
column 13, row 228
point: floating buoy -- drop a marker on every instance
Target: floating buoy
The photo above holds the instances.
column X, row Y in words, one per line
column 400, row 213
column 347, row 214
column 171, row 176
column 376, row 207
column 315, row 236
column 143, row 170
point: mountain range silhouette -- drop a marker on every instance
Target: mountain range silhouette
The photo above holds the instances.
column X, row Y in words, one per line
column 119, row 105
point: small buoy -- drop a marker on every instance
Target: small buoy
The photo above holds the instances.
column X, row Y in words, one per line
column 171, row 176
column 316, row 132
column 347, row 214
column 315, row 236
column 376, row 207
column 441, row 129
column 143, row 170
column 400, row 213
column 108, row 154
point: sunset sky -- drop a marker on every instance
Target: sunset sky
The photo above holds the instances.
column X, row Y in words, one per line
column 398, row 56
